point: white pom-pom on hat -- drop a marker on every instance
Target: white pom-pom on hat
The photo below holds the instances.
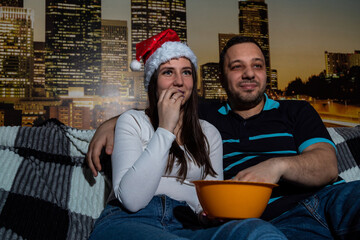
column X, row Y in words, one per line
column 135, row 65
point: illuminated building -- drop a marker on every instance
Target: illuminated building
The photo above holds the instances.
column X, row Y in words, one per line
column 354, row 59
column 33, row 109
column 138, row 93
column 70, row 115
column 108, row 110
column 39, row 70
column 224, row 38
column 337, row 64
column 114, row 55
column 150, row 17
column 274, row 79
column 253, row 22
column 211, row 86
column 16, row 51
column 73, row 46
column 12, row 3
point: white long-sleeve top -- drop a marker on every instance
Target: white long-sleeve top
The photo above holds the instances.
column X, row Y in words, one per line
column 140, row 158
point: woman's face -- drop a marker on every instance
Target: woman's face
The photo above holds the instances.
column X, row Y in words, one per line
column 176, row 73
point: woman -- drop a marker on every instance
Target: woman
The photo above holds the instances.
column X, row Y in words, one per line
column 159, row 151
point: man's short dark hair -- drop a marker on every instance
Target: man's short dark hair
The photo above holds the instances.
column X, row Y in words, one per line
column 233, row 41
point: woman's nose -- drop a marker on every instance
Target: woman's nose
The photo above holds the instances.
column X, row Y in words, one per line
column 178, row 81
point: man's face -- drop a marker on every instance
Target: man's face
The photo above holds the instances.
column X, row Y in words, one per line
column 244, row 74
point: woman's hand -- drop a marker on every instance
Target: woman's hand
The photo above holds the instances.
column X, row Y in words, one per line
column 169, row 108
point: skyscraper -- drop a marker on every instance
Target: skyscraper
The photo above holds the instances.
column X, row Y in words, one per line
column 73, row 46
column 354, row 59
column 224, row 38
column 114, row 44
column 253, row 22
column 150, row 17
column 337, row 64
column 16, row 47
column 39, row 70
column 114, row 55
column 274, row 79
column 211, row 86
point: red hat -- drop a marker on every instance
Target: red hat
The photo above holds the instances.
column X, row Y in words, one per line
column 159, row 49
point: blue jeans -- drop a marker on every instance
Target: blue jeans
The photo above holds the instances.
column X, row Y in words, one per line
column 332, row 213
column 163, row 218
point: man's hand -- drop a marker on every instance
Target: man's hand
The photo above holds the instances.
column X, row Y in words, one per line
column 103, row 137
column 269, row 171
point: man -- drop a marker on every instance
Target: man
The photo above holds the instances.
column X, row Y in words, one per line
column 283, row 142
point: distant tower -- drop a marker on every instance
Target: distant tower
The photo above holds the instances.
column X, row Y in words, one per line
column 337, row 64
column 17, row 51
column 114, row 56
column 39, row 69
column 253, row 22
column 274, row 79
column 114, row 44
column 211, row 86
column 73, row 46
column 150, row 17
column 12, row 3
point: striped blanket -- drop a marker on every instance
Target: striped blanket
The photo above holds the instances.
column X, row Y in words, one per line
column 347, row 141
column 47, row 191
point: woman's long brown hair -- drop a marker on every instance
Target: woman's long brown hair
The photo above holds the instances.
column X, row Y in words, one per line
column 192, row 136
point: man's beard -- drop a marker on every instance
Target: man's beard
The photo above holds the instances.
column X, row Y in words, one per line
column 239, row 102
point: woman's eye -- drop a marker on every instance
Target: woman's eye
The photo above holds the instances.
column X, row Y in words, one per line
column 167, row 72
column 187, row 72
column 258, row 66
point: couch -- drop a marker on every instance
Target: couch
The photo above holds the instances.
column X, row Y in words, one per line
column 48, row 192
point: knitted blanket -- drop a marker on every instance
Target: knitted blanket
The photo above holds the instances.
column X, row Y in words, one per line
column 48, row 192
column 347, row 141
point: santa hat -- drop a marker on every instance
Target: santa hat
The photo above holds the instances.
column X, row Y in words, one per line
column 160, row 49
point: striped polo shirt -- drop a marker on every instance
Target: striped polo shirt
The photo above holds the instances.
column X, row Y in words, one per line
column 282, row 128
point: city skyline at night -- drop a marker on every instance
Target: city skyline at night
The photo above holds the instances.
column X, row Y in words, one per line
column 79, row 72
column 300, row 31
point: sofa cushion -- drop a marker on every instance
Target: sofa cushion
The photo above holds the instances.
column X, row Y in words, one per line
column 46, row 189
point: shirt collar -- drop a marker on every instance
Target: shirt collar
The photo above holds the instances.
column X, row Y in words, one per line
column 269, row 104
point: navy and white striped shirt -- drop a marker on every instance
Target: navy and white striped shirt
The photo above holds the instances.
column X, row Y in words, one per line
column 283, row 128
